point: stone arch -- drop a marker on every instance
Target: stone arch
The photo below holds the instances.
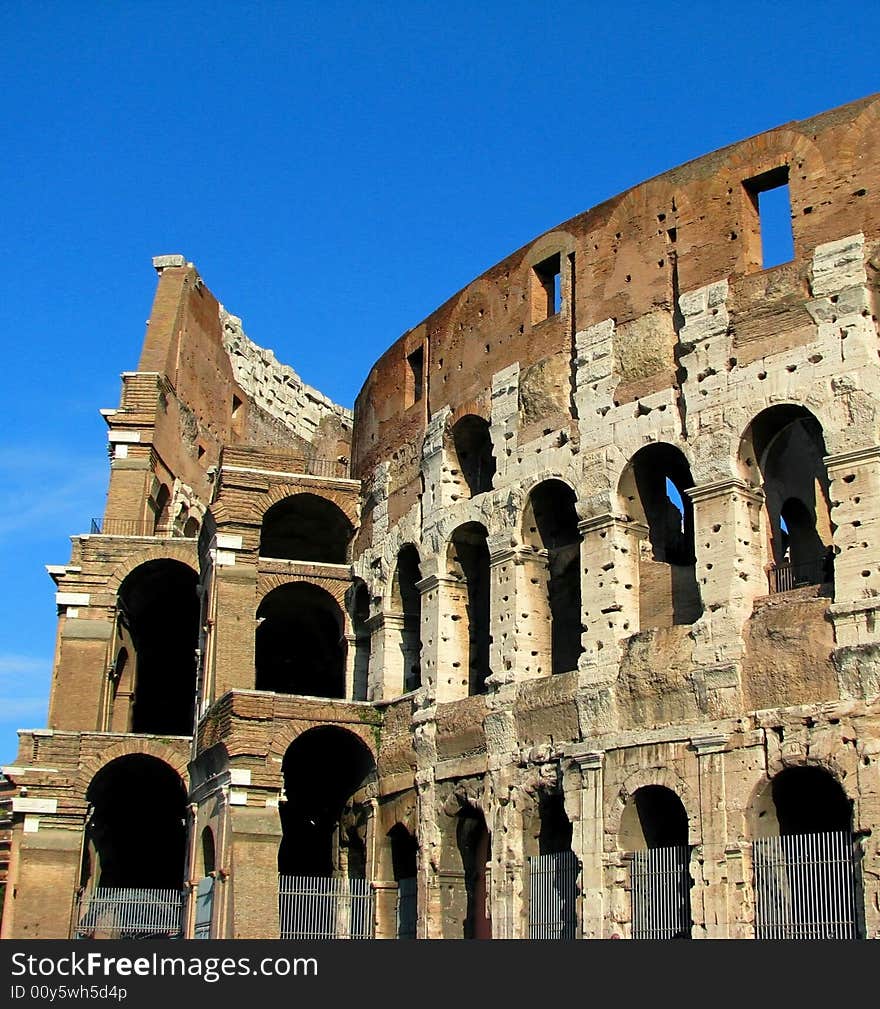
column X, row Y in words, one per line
column 647, row 776
column 306, row 526
column 268, row 582
column 291, row 731
column 168, row 550
column 652, row 496
column 466, row 559
column 299, row 644
column 135, row 833
column 757, row 805
column 782, row 450
column 323, row 818
column 90, row 766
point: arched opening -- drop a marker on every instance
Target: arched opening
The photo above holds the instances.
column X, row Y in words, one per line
column 406, row 604
column 550, row 527
column 654, row 828
column 306, row 527
column 552, row 872
column 404, row 864
column 360, row 614
column 322, row 819
column 652, row 495
column 300, row 644
column 158, row 620
column 783, row 452
column 160, row 506
column 804, row 857
column 474, row 847
column 136, row 835
column 472, row 448
column 468, row 563
column 209, row 858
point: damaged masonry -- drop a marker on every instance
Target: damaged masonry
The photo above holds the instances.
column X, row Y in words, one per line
column 569, row 630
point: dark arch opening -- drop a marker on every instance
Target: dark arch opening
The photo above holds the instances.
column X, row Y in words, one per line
column 654, row 818
column 550, row 523
column 654, row 492
column 473, row 449
column 136, row 836
column 469, row 562
column 300, row 647
column 323, row 830
column 809, row 801
column 474, row 846
column 305, row 527
column 360, row 614
column 159, row 618
column 406, row 600
column 404, row 866
column 209, row 859
column 783, row 451
column 555, row 826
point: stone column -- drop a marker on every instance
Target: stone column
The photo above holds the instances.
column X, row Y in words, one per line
column 386, row 656
column 255, row 835
column 709, row 870
column 44, row 871
column 609, row 589
column 232, row 645
column 730, row 574
column 444, row 637
column 583, row 785
column 855, row 513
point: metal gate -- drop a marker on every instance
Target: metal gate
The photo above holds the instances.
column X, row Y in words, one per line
column 406, row 908
column 805, row 886
column 204, row 908
column 553, row 889
column 661, row 897
column 312, row 907
column 115, row 912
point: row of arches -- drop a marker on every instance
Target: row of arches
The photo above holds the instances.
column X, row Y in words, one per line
column 135, row 836
column 303, row 635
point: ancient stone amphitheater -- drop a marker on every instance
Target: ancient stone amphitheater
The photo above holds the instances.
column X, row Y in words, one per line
column 570, row 629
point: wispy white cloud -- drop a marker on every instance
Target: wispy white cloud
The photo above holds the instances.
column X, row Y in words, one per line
column 25, row 712
column 44, row 489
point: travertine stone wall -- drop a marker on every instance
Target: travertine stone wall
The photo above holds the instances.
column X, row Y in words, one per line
column 703, row 672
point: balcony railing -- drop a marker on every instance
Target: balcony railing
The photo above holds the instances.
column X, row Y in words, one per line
column 131, row 527
column 787, row 576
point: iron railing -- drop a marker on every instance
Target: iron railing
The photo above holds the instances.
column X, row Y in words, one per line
column 406, row 908
column 115, row 912
column 204, row 896
column 553, row 890
column 661, row 901
column 786, row 576
column 312, row 907
column 805, row 886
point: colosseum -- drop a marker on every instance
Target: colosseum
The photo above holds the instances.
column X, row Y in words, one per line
column 570, row 629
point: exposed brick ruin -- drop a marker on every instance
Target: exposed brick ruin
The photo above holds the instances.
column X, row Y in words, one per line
column 593, row 567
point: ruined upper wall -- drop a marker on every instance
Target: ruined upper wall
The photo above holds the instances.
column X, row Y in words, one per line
column 628, row 260
column 201, row 384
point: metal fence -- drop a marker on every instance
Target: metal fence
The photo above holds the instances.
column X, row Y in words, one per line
column 805, row 886
column 553, row 890
column 204, row 908
column 129, row 913
column 787, row 576
column 323, row 908
column 406, row 908
column 661, row 900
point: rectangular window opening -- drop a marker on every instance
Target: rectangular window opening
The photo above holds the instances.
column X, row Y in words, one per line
column 771, row 199
column 546, row 288
column 415, row 376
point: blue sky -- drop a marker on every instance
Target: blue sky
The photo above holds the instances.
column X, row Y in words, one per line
column 336, row 171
